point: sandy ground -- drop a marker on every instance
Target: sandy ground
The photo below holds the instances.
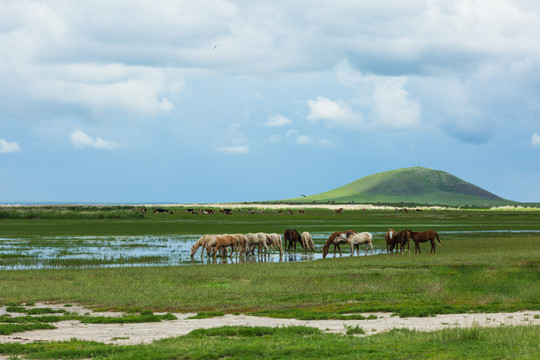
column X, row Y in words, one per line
column 148, row 332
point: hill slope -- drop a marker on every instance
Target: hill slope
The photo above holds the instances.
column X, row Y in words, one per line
column 416, row 185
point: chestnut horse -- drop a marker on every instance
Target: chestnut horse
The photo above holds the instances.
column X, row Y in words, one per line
column 400, row 239
column 336, row 242
column 424, row 236
column 389, row 238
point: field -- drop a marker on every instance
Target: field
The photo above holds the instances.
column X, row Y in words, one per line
column 489, row 261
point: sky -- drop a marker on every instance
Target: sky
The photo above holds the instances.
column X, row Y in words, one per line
column 177, row 101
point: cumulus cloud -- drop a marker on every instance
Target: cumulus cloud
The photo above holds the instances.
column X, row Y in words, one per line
column 535, row 140
column 9, row 147
column 313, row 140
column 392, row 107
column 277, row 120
column 333, row 113
column 81, row 140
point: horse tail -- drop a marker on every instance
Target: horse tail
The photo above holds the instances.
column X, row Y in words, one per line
column 439, row 240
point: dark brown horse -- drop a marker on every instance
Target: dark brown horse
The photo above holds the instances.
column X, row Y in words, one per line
column 332, row 240
column 424, row 236
column 292, row 237
column 400, row 239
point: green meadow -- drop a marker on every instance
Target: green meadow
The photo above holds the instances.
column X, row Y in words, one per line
column 489, row 261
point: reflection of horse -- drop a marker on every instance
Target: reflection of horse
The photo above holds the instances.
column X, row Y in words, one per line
column 203, row 241
column 356, row 239
column 292, row 237
column 400, row 239
column 307, row 241
column 389, row 238
column 332, row 241
column 424, row 236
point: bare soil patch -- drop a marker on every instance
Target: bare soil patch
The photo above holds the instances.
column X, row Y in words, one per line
column 140, row 333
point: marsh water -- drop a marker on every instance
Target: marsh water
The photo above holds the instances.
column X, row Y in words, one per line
column 117, row 251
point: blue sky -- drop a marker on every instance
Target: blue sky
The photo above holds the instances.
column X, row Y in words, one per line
column 215, row 101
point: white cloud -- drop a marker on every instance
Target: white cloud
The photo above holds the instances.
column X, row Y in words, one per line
column 393, row 110
column 313, row 140
column 277, row 120
column 241, row 149
column 333, row 113
column 9, row 147
column 235, row 141
column 535, row 140
column 81, row 140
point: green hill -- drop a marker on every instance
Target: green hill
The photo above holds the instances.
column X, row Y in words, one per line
column 416, row 185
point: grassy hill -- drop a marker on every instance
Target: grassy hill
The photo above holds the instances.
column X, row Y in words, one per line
column 415, row 185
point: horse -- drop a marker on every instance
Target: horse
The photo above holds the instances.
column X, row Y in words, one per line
column 339, row 211
column 274, row 240
column 292, row 236
column 253, row 240
column 307, row 241
column 241, row 243
column 331, row 241
column 356, row 240
column 160, row 210
column 224, row 241
column 389, row 238
column 401, row 238
column 424, row 236
column 203, row 241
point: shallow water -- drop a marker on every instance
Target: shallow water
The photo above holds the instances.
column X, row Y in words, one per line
column 118, row 251
column 123, row 251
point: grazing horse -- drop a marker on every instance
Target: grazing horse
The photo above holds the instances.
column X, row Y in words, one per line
column 356, row 240
column 253, row 240
column 203, row 241
column 424, row 236
column 160, row 210
column 307, row 241
column 224, row 241
column 400, row 239
column 274, row 240
column 241, row 243
column 332, row 241
column 292, row 237
column 389, row 238
column 339, row 211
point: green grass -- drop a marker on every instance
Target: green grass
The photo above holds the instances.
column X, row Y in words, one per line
column 304, row 343
column 481, row 274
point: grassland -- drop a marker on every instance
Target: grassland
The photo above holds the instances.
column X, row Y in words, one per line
column 489, row 262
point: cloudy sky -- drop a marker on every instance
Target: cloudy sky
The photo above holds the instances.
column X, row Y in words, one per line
column 203, row 101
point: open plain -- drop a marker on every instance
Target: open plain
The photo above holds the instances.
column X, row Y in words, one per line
column 483, row 278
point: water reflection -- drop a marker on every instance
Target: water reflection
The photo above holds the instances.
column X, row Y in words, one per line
column 118, row 251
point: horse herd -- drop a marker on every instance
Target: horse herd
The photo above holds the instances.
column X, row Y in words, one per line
column 246, row 244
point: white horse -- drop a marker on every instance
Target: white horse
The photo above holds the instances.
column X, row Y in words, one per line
column 357, row 239
column 307, row 241
column 274, row 240
column 253, row 240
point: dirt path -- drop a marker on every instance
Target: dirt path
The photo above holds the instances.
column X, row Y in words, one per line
column 148, row 332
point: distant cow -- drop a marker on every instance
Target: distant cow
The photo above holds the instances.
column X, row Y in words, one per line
column 160, row 210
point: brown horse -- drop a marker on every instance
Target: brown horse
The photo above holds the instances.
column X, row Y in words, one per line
column 389, row 238
column 336, row 242
column 400, row 239
column 292, row 237
column 424, row 236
